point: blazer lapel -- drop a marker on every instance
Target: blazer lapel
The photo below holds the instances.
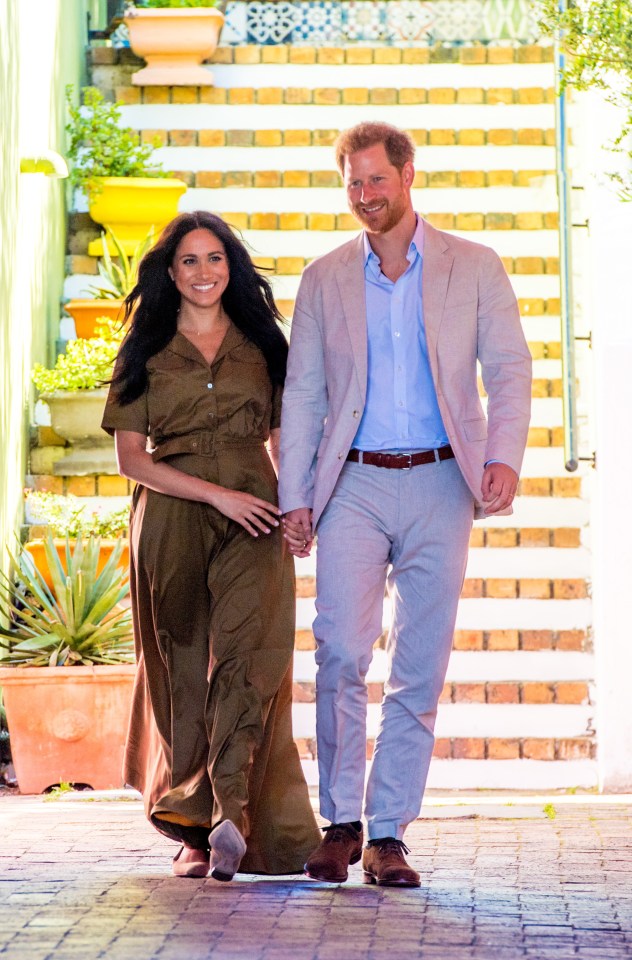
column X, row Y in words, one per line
column 350, row 280
column 436, row 270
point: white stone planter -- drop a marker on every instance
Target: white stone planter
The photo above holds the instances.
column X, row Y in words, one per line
column 76, row 416
column 174, row 43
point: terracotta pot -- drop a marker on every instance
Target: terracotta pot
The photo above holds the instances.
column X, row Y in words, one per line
column 36, row 549
column 85, row 313
column 174, row 43
column 132, row 206
column 76, row 416
column 67, row 724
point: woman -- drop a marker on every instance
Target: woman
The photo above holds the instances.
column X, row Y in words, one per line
column 200, row 374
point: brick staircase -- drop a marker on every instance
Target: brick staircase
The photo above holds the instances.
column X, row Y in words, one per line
column 517, row 708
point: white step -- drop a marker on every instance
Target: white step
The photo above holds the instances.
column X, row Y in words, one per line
column 559, row 721
column 549, row 462
column 314, row 243
column 322, row 158
column 497, row 775
column 333, row 200
column 453, row 75
column 520, row 563
column 484, row 614
column 527, row 285
column 482, row 666
column 202, row 116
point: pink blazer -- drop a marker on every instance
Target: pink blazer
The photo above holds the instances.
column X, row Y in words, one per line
column 470, row 315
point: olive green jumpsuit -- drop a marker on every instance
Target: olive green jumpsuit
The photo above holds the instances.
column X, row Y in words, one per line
column 210, row 734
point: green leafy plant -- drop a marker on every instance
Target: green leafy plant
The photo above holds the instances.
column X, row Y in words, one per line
column 68, row 516
column 86, row 364
column 120, row 278
column 597, row 35
column 100, row 147
column 79, row 621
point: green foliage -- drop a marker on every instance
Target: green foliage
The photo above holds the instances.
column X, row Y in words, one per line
column 86, row 364
column 100, row 147
column 174, row 4
column 79, row 621
column 550, row 811
column 597, row 35
column 120, row 278
column 68, row 517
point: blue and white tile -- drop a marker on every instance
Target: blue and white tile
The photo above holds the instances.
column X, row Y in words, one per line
column 364, row 20
column 409, row 21
column 270, row 23
column 235, row 29
column 319, row 22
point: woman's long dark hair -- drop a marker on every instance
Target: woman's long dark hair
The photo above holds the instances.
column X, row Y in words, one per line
column 154, row 302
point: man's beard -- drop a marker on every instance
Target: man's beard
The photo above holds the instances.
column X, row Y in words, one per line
column 389, row 216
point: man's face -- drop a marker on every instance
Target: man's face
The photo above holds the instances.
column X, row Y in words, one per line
column 377, row 193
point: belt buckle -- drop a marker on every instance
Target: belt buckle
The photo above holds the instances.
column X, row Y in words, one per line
column 410, row 461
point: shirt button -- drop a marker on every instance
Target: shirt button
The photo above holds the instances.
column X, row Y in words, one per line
column 397, row 333
column 401, row 403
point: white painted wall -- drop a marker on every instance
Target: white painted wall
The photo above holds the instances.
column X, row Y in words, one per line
column 609, row 264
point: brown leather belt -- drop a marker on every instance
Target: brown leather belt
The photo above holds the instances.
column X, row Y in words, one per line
column 400, row 461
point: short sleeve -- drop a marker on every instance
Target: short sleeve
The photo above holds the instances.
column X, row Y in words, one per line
column 132, row 416
column 277, row 396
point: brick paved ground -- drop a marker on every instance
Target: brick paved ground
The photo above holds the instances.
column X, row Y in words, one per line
column 85, row 880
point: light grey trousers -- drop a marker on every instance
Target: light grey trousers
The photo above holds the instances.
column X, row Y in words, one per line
column 417, row 522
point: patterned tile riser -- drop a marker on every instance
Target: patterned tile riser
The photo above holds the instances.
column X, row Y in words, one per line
column 392, row 22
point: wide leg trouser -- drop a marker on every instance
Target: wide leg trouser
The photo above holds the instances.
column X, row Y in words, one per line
column 417, row 522
column 210, row 736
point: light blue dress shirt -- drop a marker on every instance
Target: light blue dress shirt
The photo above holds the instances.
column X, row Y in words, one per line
column 401, row 411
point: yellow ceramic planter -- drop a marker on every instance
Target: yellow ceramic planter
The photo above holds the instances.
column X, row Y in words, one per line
column 130, row 206
column 86, row 313
column 174, row 43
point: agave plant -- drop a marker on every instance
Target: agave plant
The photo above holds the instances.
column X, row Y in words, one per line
column 78, row 621
column 119, row 278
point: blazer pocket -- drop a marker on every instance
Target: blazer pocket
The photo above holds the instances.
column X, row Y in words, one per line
column 475, row 429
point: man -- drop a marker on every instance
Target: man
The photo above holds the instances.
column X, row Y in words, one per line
column 387, row 455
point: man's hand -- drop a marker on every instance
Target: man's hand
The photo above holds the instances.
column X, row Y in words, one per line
column 297, row 530
column 499, row 487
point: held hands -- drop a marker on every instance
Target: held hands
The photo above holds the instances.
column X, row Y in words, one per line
column 252, row 513
column 297, row 530
column 499, row 486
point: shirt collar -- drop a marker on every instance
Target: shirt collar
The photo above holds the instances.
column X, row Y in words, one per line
column 416, row 244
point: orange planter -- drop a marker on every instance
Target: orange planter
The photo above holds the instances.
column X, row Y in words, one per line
column 37, row 550
column 85, row 313
column 174, row 42
column 67, row 724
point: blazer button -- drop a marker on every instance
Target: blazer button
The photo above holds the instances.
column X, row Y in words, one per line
column 340, row 456
column 356, row 414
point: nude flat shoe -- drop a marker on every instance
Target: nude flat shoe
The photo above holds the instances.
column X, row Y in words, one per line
column 227, row 849
column 191, row 868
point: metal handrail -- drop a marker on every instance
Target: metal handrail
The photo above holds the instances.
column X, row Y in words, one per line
column 567, row 318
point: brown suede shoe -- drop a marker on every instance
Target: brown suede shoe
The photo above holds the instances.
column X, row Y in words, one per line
column 341, row 845
column 383, row 863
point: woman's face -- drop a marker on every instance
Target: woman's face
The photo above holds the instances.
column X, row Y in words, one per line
column 200, row 268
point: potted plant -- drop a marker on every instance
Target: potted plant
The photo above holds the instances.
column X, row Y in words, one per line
column 68, row 676
column 126, row 191
column 117, row 281
column 69, row 518
column 75, row 393
column 174, row 37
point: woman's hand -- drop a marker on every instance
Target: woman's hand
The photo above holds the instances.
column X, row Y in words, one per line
column 297, row 530
column 253, row 514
